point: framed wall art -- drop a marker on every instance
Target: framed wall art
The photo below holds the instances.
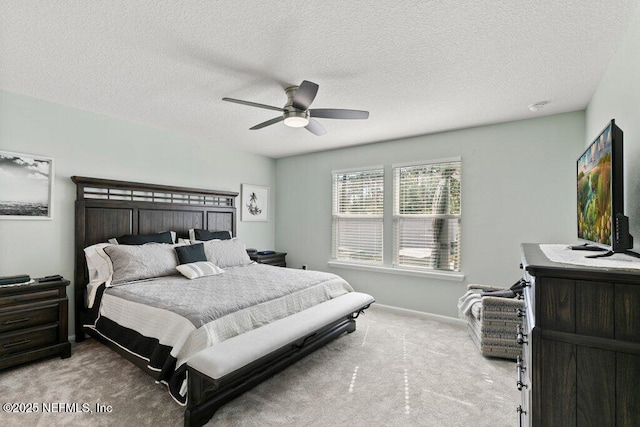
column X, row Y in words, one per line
column 255, row 203
column 26, row 186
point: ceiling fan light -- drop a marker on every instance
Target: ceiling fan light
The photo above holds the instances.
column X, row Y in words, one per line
column 296, row 121
column 295, row 118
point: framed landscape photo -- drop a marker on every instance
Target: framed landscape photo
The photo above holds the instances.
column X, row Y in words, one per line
column 255, row 203
column 26, row 186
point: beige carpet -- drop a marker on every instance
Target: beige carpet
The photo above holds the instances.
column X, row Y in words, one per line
column 393, row 371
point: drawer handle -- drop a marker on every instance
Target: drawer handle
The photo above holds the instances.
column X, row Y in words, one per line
column 521, row 338
column 521, row 412
column 525, row 283
column 13, row 344
column 11, row 322
column 520, row 312
column 520, row 370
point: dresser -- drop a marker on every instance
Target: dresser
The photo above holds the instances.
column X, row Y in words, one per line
column 580, row 334
column 33, row 322
column 278, row 259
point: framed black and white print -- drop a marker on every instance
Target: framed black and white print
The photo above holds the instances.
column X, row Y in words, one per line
column 26, row 186
column 255, row 203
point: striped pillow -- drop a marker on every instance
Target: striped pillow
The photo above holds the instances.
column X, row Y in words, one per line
column 199, row 269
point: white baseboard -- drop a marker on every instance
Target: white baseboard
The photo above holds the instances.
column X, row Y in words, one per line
column 415, row 313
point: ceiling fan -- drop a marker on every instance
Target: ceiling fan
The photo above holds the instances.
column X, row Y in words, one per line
column 296, row 112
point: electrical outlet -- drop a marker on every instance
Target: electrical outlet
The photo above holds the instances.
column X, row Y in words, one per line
column 304, row 266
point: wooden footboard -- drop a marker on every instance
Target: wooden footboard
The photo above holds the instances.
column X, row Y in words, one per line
column 206, row 395
column 214, row 378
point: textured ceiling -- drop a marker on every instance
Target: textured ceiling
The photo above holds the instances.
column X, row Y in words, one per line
column 419, row 67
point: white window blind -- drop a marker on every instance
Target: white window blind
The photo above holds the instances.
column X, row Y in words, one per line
column 358, row 198
column 426, row 215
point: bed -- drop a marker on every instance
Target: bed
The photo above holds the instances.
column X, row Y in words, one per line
column 211, row 338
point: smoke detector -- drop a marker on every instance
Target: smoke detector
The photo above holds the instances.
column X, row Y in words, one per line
column 538, row 106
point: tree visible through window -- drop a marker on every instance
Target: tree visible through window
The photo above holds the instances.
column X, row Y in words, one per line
column 427, row 215
column 358, row 198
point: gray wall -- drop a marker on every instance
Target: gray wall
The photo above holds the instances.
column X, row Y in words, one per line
column 618, row 97
column 87, row 144
column 518, row 185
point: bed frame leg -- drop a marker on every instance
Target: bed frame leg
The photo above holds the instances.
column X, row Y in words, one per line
column 192, row 420
column 351, row 327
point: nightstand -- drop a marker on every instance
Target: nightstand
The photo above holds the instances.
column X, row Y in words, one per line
column 277, row 259
column 33, row 322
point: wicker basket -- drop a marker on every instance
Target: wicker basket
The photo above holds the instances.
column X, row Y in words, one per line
column 492, row 325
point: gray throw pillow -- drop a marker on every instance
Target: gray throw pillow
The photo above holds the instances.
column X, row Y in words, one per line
column 141, row 262
column 226, row 253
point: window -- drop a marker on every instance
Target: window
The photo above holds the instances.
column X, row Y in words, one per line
column 358, row 198
column 426, row 215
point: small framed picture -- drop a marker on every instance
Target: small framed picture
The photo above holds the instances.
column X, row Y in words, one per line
column 255, row 203
column 26, row 186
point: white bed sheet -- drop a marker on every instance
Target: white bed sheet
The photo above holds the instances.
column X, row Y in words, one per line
column 185, row 339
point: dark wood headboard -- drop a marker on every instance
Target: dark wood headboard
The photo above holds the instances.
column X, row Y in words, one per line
column 107, row 208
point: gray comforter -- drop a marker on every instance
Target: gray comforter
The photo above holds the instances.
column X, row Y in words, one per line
column 209, row 298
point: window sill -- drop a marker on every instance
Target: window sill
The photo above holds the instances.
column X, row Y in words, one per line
column 444, row 275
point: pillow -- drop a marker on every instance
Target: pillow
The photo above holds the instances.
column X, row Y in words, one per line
column 190, row 253
column 141, row 261
column 204, row 235
column 199, row 269
column 141, row 239
column 226, row 253
column 98, row 264
column 100, row 269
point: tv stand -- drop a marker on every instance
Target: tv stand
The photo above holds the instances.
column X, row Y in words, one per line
column 609, row 253
column 581, row 344
column 586, row 247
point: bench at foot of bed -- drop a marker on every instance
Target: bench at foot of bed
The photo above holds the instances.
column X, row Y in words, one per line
column 215, row 378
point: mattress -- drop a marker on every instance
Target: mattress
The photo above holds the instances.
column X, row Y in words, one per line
column 166, row 320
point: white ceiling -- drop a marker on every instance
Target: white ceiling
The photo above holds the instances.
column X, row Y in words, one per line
column 419, row 67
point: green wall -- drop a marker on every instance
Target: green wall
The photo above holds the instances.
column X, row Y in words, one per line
column 518, row 185
column 87, row 144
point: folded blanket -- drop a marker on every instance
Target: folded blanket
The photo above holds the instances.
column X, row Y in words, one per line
column 504, row 293
column 467, row 301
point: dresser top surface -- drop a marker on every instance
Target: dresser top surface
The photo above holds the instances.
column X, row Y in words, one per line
column 536, row 263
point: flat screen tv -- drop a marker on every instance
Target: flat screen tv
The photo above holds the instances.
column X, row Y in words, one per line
column 600, row 184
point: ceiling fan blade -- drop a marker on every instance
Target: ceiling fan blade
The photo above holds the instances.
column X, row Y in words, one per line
column 336, row 113
column 253, row 104
column 305, row 94
column 315, row 128
column 267, row 123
